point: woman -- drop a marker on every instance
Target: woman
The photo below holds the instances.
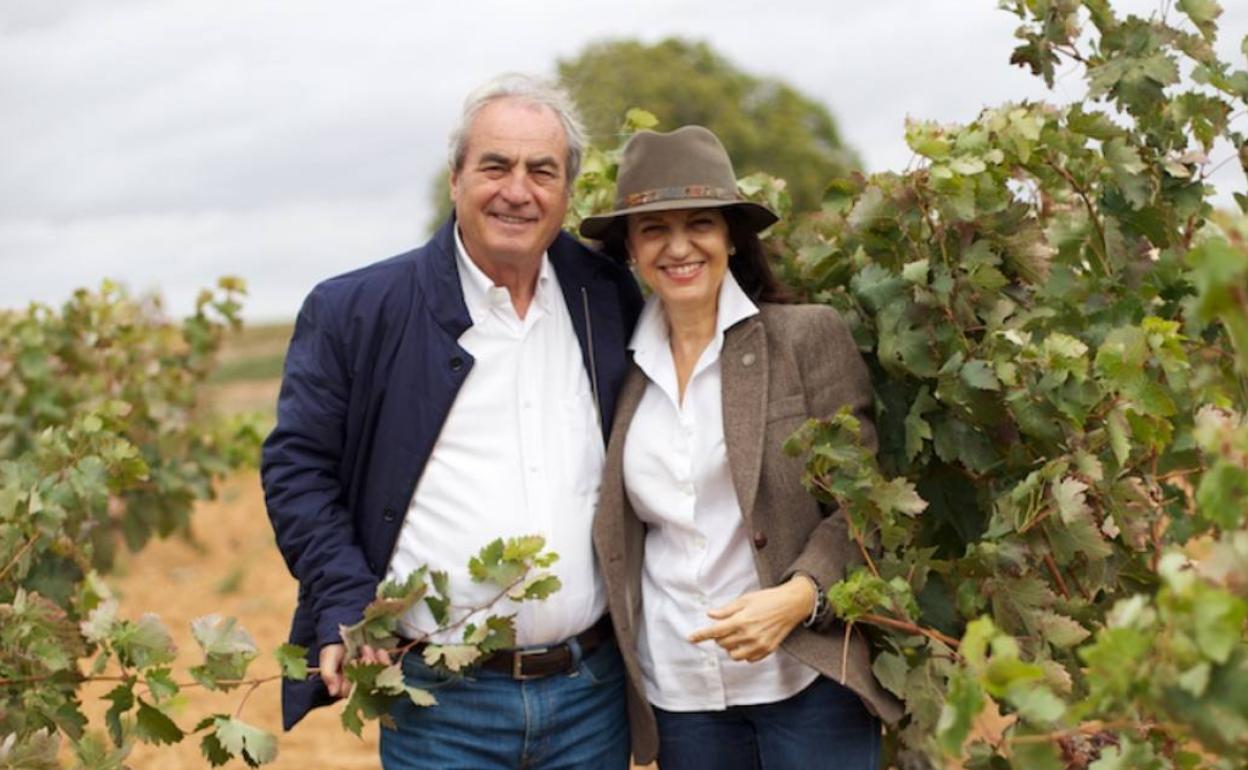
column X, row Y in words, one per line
column 715, row 559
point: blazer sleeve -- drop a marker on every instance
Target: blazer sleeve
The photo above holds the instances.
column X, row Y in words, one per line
column 833, row 375
column 301, row 473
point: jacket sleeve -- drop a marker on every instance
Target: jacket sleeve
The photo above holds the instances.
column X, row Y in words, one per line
column 301, row 470
column 833, row 375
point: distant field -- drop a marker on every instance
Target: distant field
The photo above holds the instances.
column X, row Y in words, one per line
column 253, row 353
column 249, row 369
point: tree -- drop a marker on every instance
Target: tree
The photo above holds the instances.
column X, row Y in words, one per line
column 765, row 124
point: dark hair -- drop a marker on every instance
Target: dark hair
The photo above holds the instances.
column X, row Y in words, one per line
column 750, row 265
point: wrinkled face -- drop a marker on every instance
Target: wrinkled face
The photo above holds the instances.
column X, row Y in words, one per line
column 511, row 191
column 682, row 255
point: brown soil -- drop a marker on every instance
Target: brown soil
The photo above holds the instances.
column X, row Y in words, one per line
column 233, row 568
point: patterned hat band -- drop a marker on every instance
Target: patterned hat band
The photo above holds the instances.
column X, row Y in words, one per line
column 688, row 192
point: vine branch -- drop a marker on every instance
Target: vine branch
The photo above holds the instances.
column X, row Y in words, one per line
column 910, row 628
column 17, row 556
column 1101, row 253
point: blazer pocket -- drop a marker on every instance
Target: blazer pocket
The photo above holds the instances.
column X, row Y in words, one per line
column 788, row 406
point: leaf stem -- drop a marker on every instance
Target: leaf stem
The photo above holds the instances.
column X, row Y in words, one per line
column 238, row 712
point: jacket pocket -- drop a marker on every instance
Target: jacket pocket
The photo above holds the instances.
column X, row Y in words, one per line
column 786, row 406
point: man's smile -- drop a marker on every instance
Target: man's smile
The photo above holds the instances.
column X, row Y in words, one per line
column 512, row 219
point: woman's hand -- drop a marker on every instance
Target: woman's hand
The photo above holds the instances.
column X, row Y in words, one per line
column 753, row 625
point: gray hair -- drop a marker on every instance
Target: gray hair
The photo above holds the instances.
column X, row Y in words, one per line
column 526, row 88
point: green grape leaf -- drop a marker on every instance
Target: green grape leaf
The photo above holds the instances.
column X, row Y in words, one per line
column 161, row 684
column 251, row 744
column 964, row 701
column 536, row 587
column 153, row 726
column 228, row 651
column 979, row 374
column 142, row 643
column 452, row 657
column 293, row 661
column 490, row 566
column 1203, row 14
column 122, row 698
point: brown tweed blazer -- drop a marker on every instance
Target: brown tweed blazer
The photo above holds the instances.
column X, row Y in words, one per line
column 786, row 364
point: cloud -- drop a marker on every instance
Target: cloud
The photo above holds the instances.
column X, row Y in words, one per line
column 164, row 142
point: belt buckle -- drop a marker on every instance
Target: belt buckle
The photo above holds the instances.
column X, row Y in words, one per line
column 517, row 663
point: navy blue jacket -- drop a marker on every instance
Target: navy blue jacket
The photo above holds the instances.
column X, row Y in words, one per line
column 372, row 370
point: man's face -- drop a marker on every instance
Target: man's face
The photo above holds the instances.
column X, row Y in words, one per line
column 511, row 191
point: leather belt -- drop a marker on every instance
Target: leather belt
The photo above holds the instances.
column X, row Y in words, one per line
column 523, row 663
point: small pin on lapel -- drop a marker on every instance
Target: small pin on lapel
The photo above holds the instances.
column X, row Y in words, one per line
column 748, row 359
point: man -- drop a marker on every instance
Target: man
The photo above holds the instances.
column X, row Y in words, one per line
column 447, row 396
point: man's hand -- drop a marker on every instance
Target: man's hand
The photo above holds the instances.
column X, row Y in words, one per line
column 753, row 625
column 332, row 666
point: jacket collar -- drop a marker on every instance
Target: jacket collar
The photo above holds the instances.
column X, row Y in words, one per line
column 439, row 276
column 444, row 293
column 585, row 287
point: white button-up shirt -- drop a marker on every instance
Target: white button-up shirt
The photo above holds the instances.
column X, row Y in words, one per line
column 520, row 453
column 697, row 549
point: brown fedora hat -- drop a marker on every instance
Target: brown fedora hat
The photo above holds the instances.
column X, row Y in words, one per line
column 683, row 169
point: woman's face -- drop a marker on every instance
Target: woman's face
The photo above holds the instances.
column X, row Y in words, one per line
column 681, row 254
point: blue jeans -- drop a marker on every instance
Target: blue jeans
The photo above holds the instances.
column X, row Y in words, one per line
column 486, row 719
column 823, row 726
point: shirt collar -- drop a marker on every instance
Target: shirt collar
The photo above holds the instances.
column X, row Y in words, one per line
column 481, row 294
column 651, row 340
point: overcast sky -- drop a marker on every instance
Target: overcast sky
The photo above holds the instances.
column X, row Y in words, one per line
column 167, row 142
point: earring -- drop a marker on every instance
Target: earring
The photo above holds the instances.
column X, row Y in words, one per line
column 732, row 250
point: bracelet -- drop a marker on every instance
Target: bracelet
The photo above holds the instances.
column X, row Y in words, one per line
column 820, row 609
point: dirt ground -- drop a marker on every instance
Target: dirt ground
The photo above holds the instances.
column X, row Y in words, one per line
column 233, row 568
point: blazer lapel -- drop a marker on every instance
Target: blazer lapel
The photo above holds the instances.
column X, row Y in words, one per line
column 613, row 509
column 744, row 367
